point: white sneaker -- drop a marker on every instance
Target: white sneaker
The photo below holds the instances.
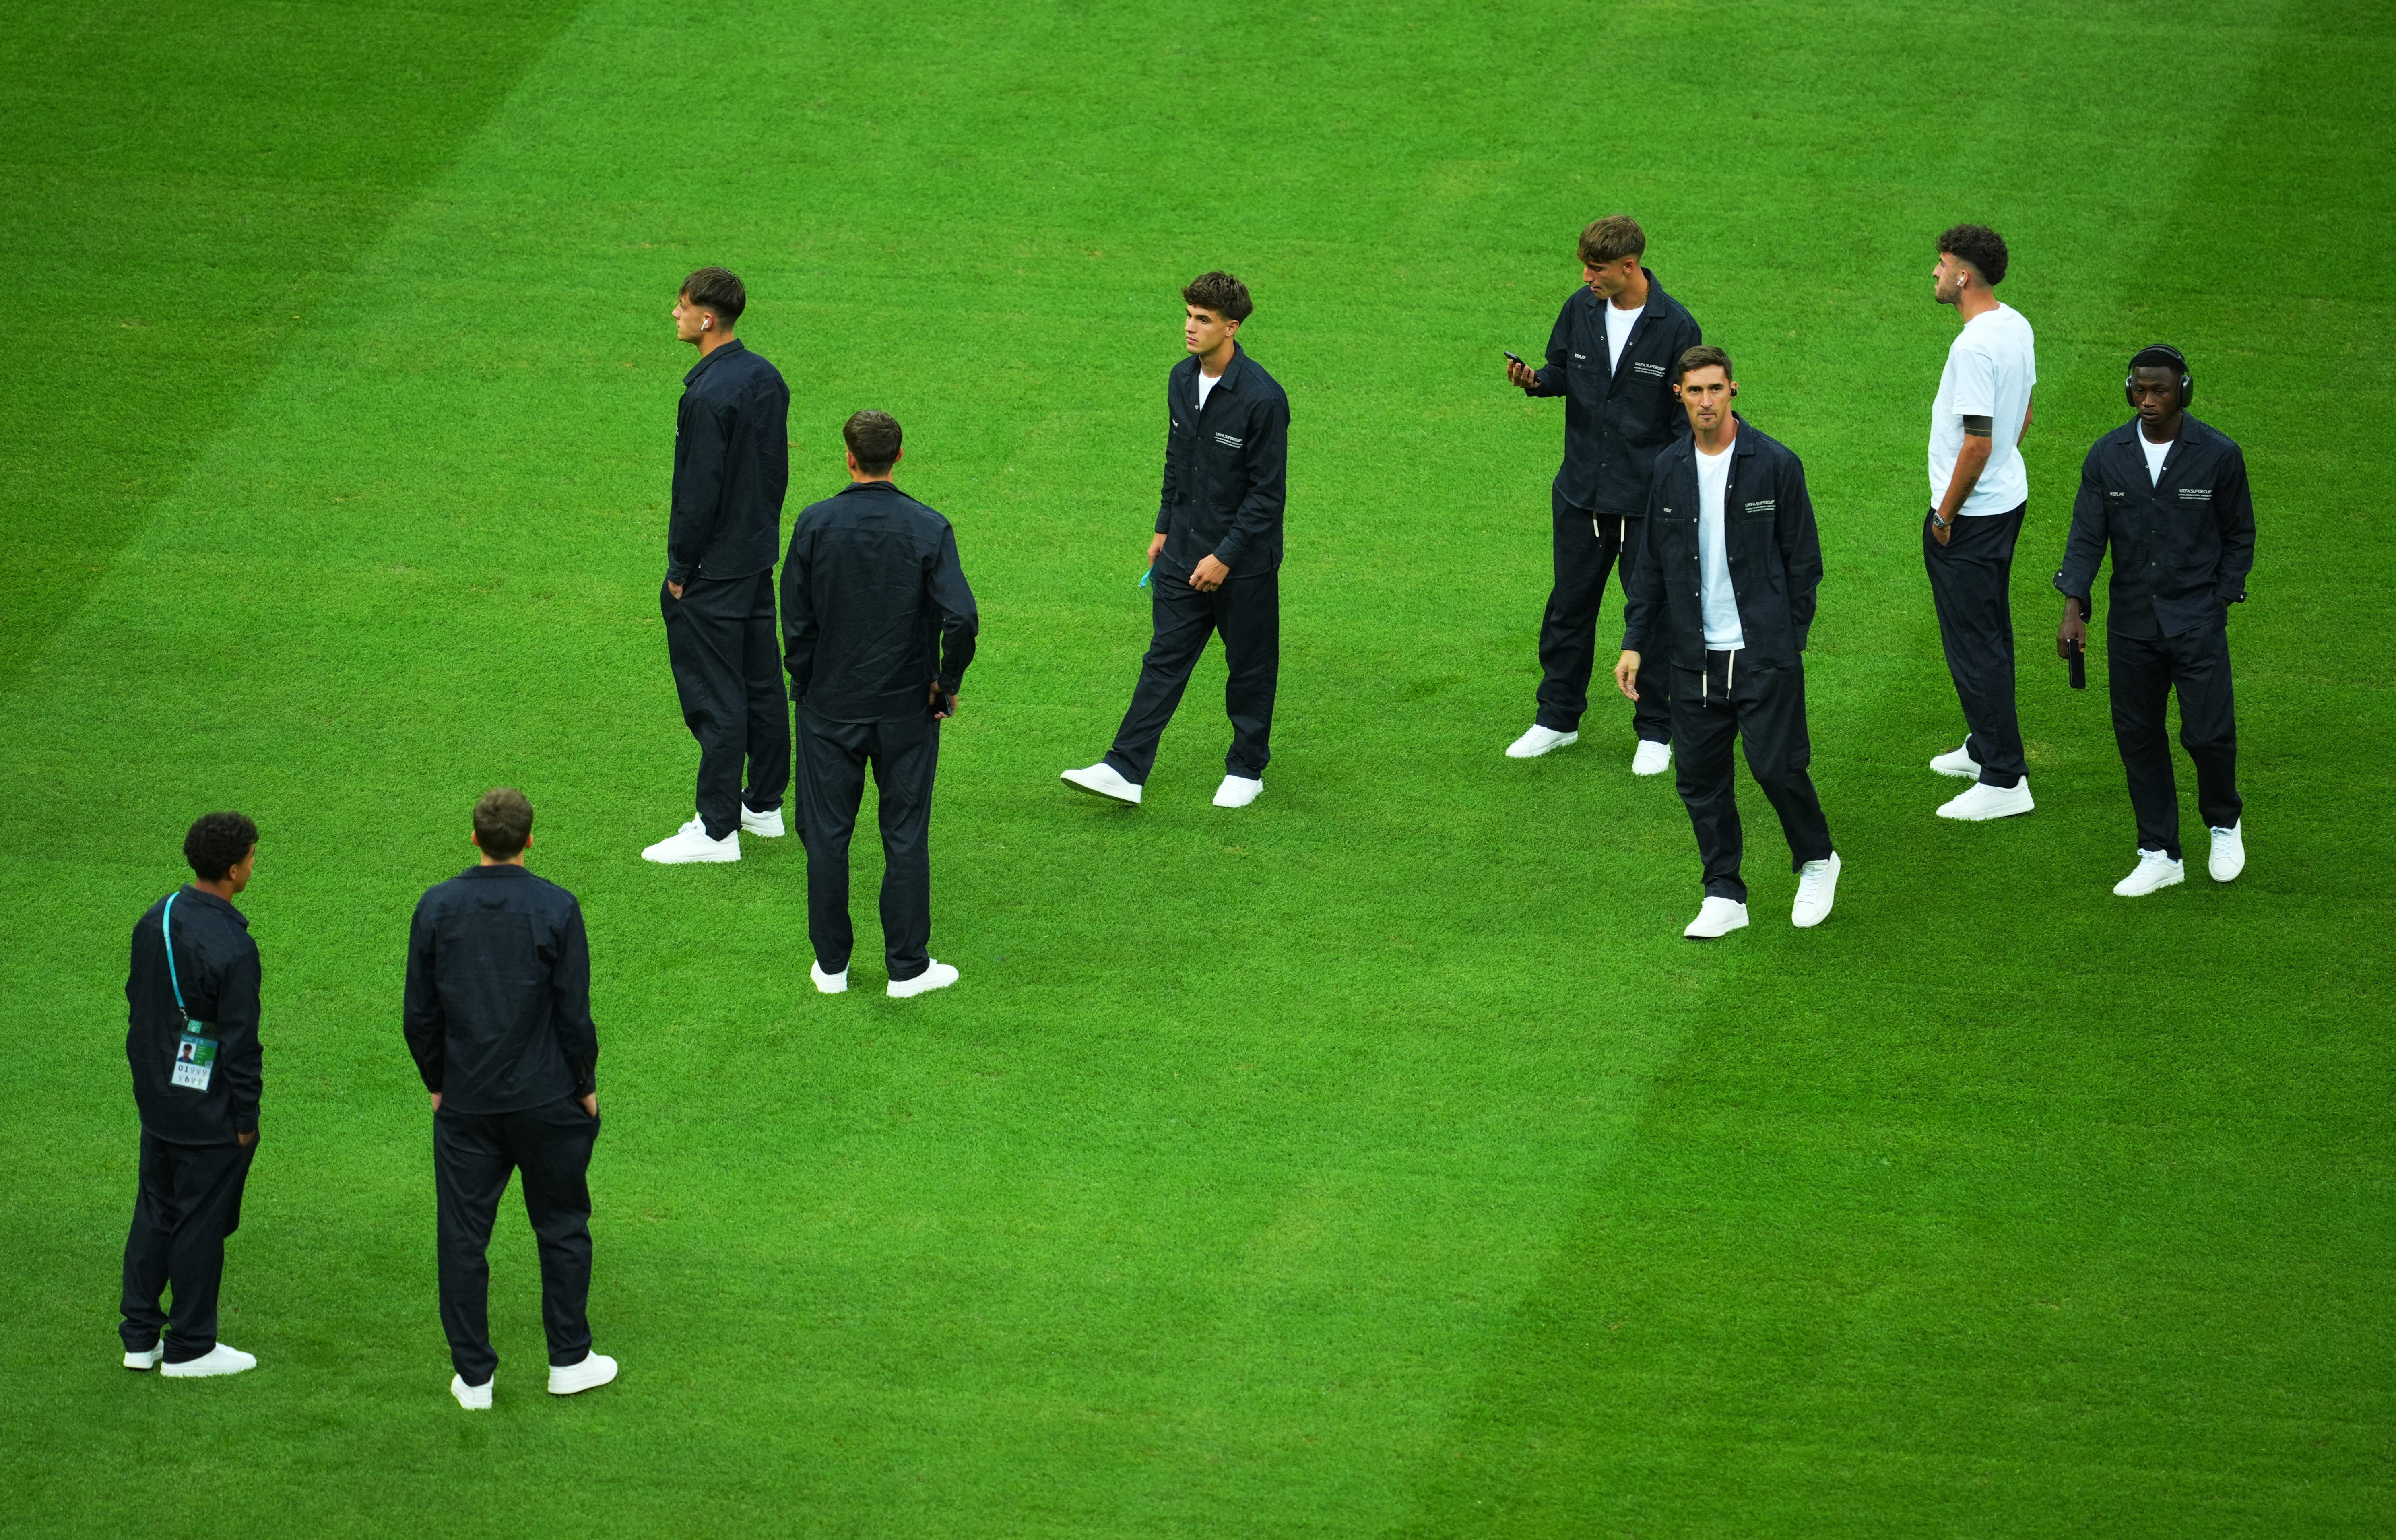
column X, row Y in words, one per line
column 1985, row 802
column 148, row 1359
column 689, row 844
column 1538, row 741
column 1105, row 780
column 2154, row 870
column 1717, row 917
column 473, row 1398
column 1817, row 884
column 2229, row 852
column 1238, row 790
column 1961, row 764
column 595, row 1371
column 939, row 975
column 219, row 1360
column 766, row 825
column 1653, row 758
column 828, row 983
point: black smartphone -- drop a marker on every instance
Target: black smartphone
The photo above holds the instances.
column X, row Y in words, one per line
column 2079, row 666
column 1515, row 357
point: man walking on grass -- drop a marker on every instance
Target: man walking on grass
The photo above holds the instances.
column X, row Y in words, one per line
column 1723, row 590
column 497, row 1015
column 878, row 629
column 732, row 465
column 191, row 1038
column 1612, row 357
column 1215, row 559
column 2168, row 495
column 1979, row 491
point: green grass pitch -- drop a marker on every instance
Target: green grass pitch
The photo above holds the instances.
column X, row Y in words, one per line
column 1378, row 1162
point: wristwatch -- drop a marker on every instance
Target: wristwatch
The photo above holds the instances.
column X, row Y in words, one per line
column 1938, row 523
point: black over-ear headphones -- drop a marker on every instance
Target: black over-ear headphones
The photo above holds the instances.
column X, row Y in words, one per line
column 2187, row 383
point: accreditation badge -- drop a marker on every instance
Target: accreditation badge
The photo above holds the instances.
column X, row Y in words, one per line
column 195, row 1057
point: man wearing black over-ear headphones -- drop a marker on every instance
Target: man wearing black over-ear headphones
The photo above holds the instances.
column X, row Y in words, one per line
column 2169, row 496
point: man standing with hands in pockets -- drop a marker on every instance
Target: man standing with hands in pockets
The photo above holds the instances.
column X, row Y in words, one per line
column 497, row 1015
column 192, row 1039
column 1980, row 491
column 732, row 466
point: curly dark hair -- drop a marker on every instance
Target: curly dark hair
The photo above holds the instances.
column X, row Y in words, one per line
column 1979, row 245
column 217, row 843
column 1221, row 293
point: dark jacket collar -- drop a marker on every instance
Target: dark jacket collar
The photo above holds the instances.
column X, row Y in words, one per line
column 209, row 900
column 1227, row 380
column 891, row 487
column 701, row 368
column 2128, row 435
column 489, row 873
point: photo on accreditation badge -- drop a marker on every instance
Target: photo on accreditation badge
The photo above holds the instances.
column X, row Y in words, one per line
column 1124, row 771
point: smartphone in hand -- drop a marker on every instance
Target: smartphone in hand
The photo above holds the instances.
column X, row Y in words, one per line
column 2079, row 666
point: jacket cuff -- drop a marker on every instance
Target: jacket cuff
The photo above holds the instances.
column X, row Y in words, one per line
column 1165, row 521
column 1229, row 551
column 244, row 1122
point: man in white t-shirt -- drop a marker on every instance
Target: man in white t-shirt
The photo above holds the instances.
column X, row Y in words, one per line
column 1979, row 491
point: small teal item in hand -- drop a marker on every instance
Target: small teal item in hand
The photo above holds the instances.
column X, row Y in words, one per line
column 1143, row 577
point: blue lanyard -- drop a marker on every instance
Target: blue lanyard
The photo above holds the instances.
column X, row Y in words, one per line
column 167, row 928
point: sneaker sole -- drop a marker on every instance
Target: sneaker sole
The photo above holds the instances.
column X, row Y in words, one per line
column 1094, row 792
column 689, row 860
column 1986, row 817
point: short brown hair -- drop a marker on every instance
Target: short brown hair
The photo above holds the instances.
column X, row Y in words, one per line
column 1979, row 245
column 502, row 822
column 1706, row 357
column 718, row 289
column 1221, row 293
column 874, row 439
column 1611, row 239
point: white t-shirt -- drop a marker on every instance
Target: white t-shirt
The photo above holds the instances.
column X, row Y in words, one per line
column 2156, row 455
column 1990, row 368
column 1719, row 600
column 1206, row 384
column 1618, row 323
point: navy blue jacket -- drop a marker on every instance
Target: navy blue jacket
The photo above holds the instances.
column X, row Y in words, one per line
column 732, row 466
column 1775, row 556
column 498, row 1011
column 216, row 963
column 2182, row 546
column 1226, row 469
column 874, row 606
column 1617, row 421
